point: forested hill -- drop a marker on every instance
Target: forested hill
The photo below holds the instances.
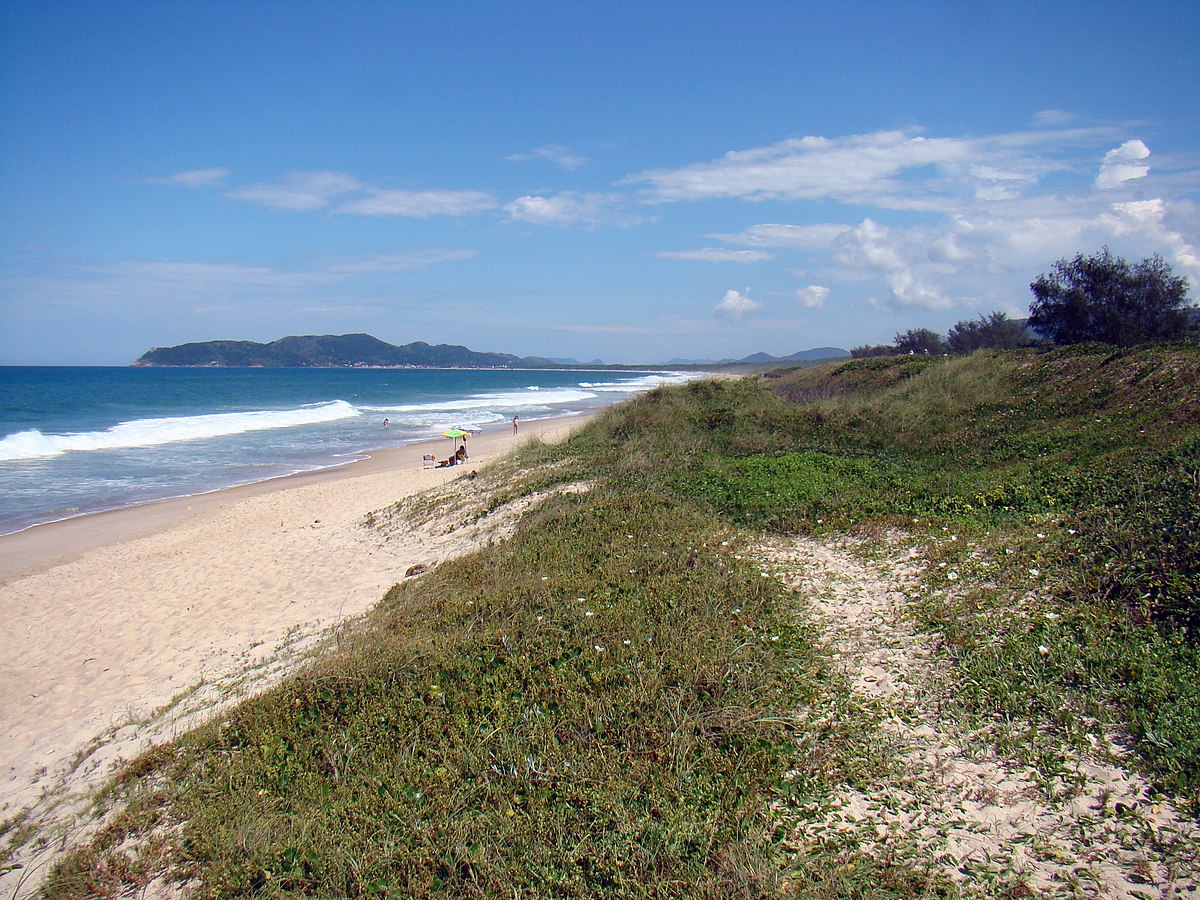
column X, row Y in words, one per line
column 332, row 351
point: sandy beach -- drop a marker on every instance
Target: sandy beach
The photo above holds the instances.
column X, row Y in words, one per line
column 126, row 627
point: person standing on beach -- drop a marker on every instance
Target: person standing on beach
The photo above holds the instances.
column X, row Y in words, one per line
column 514, row 424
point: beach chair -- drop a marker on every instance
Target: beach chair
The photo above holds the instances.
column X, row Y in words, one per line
column 428, row 461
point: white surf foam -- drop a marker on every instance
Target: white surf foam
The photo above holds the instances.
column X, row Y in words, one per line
column 35, row 444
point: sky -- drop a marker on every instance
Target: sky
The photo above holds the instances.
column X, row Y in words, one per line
column 627, row 181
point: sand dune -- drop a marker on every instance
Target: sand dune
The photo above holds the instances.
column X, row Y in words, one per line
column 123, row 628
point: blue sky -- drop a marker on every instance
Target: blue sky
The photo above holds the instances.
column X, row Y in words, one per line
column 627, row 181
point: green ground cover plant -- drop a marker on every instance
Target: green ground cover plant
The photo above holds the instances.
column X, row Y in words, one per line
column 606, row 703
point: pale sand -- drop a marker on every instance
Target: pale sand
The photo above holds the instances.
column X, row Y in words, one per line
column 122, row 628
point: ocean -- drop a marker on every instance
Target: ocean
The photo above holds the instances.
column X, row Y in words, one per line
column 77, row 440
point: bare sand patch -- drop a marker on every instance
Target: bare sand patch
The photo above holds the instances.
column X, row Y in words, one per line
column 989, row 825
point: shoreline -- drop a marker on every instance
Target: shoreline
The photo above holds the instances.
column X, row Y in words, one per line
column 126, row 628
column 35, row 547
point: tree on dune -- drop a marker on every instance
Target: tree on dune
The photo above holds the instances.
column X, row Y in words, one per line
column 1103, row 298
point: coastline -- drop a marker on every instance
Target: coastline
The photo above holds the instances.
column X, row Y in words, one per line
column 36, row 547
column 125, row 628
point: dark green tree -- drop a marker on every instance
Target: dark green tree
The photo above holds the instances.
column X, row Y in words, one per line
column 993, row 331
column 920, row 340
column 1104, row 298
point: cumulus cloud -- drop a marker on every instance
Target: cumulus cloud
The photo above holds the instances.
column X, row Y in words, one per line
column 718, row 254
column 736, row 304
column 991, row 211
column 813, row 296
column 553, row 153
column 1124, row 163
column 900, row 259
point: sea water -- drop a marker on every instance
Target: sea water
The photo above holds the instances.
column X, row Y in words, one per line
column 78, row 440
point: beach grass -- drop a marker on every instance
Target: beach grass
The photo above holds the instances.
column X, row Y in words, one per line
column 620, row 700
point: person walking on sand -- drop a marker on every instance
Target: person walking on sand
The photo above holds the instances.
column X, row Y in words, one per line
column 514, row 424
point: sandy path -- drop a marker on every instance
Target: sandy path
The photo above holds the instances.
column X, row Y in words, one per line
column 116, row 638
column 986, row 823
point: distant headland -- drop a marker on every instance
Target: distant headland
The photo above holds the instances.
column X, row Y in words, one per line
column 342, row 351
column 335, row 351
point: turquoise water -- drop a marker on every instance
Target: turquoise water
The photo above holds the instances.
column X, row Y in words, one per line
column 78, row 440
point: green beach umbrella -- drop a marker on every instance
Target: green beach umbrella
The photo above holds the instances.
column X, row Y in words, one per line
column 454, row 433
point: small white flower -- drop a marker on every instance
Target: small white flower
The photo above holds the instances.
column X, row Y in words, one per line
column 1009, row 551
column 738, row 610
column 774, row 637
column 1053, row 616
column 581, row 599
column 1035, row 572
column 589, row 613
column 599, row 649
column 952, row 576
column 625, row 642
column 1041, row 534
column 1043, row 649
column 954, row 537
column 540, row 618
column 545, row 578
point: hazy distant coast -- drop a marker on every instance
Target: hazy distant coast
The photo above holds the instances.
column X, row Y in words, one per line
column 366, row 351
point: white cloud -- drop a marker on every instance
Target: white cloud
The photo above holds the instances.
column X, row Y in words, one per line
column 570, row 208
column 899, row 170
column 718, row 254
column 419, row 204
column 805, row 237
column 1053, row 118
column 953, row 222
column 299, row 191
column 554, row 153
column 813, row 296
column 900, row 259
column 206, row 277
column 1123, row 164
column 193, row 178
column 342, row 193
column 851, row 169
column 399, row 262
column 736, row 304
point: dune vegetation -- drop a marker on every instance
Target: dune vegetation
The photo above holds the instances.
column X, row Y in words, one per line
column 624, row 697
